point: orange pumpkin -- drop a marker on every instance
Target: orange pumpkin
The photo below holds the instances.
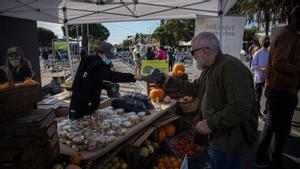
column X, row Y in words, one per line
column 162, row 135
column 4, row 86
column 29, row 82
column 76, row 159
column 157, row 93
column 170, row 130
column 178, row 69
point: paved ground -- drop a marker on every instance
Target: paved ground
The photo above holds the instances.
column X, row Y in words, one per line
column 292, row 148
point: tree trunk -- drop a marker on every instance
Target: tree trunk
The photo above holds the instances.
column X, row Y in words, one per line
column 267, row 18
column 84, row 41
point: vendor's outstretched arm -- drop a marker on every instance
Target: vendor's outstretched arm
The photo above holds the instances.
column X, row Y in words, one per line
column 113, row 76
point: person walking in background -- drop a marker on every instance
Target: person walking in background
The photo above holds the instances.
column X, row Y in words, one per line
column 252, row 49
column 18, row 65
column 282, row 86
column 171, row 58
column 260, row 67
column 161, row 53
column 136, row 54
column 150, row 55
column 45, row 56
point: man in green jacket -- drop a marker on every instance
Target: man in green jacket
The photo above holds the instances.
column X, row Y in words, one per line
column 227, row 108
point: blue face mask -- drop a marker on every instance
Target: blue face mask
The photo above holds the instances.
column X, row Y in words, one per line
column 106, row 60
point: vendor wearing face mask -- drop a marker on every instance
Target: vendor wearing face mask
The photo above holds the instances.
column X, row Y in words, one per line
column 18, row 65
column 88, row 82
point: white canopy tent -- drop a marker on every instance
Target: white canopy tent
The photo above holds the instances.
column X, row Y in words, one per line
column 95, row 11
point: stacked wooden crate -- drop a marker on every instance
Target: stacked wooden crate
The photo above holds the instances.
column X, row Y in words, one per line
column 29, row 142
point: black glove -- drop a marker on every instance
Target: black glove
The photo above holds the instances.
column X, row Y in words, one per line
column 155, row 75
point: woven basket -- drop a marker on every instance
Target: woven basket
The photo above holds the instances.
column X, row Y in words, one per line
column 189, row 108
column 17, row 101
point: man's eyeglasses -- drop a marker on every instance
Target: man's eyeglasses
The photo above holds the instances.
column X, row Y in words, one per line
column 195, row 50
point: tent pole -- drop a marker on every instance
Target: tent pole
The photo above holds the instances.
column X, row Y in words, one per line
column 69, row 52
column 221, row 39
column 221, row 23
column 67, row 37
column 88, row 35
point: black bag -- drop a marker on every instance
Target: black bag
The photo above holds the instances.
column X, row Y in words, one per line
column 200, row 139
column 128, row 104
column 112, row 89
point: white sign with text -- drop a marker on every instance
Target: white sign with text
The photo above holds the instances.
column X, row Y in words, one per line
column 232, row 34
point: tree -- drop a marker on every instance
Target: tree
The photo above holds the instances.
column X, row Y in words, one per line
column 265, row 11
column 45, row 36
column 249, row 34
column 97, row 32
column 126, row 43
column 173, row 31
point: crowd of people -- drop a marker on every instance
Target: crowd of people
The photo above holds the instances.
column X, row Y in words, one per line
column 173, row 55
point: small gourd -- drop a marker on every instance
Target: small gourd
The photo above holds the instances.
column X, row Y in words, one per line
column 29, row 81
column 58, row 166
column 72, row 166
column 162, row 135
column 76, row 159
column 178, row 69
column 4, row 86
column 157, row 93
column 170, row 130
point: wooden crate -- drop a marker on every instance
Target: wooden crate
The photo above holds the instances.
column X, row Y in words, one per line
column 29, row 142
column 134, row 146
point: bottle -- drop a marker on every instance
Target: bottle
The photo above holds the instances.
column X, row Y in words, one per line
column 157, row 105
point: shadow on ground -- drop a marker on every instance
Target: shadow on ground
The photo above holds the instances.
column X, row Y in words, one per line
column 291, row 158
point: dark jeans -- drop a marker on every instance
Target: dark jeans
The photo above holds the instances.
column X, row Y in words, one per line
column 258, row 93
column 278, row 125
column 219, row 160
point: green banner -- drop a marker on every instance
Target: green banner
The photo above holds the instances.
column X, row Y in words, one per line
column 148, row 65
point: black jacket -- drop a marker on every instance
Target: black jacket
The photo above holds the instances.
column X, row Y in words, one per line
column 88, row 84
column 23, row 73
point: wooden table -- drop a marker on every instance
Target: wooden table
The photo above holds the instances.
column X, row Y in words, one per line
column 93, row 155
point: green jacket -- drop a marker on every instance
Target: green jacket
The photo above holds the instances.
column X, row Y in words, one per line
column 227, row 100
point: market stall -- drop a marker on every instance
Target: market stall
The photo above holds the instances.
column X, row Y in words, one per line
column 79, row 12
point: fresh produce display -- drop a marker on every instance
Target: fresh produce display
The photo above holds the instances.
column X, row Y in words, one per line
column 170, row 130
column 29, row 81
column 178, row 69
column 157, row 93
column 184, row 145
column 148, row 148
column 75, row 161
column 168, row 162
column 97, row 130
column 5, row 86
column 116, row 163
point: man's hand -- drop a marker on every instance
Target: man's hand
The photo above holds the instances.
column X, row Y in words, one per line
column 138, row 77
column 156, row 76
column 202, row 127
